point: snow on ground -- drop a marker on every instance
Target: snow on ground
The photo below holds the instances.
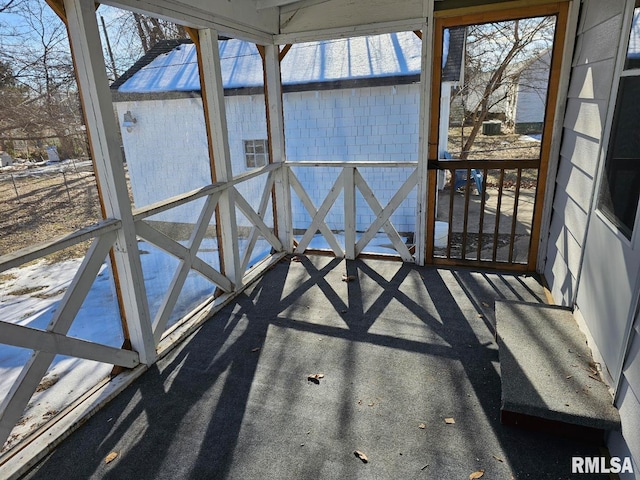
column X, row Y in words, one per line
column 30, row 295
column 532, row 137
column 19, row 170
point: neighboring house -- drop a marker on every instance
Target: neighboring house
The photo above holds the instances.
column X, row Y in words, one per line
column 528, row 94
column 452, row 76
column 519, row 101
column 344, row 100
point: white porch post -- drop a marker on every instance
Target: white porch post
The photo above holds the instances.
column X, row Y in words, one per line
column 423, row 147
column 276, row 131
column 108, row 163
column 214, row 97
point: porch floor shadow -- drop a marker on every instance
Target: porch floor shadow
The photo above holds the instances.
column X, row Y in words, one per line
column 403, row 350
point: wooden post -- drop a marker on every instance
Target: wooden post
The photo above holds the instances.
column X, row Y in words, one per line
column 213, row 100
column 13, row 180
column 66, row 185
column 85, row 42
column 275, row 117
column 349, row 213
column 422, row 224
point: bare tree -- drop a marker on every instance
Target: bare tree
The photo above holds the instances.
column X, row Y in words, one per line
column 7, row 5
column 129, row 35
column 494, row 52
column 41, row 102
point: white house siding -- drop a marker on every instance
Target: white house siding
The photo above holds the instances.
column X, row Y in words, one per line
column 585, row 116
column 167, row 150
column 589, row 95
column 532, row 91
column 359, row 124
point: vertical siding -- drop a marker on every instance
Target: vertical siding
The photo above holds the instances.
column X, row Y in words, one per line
column 585, row 116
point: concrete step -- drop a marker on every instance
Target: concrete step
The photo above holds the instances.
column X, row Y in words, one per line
column 549, row 379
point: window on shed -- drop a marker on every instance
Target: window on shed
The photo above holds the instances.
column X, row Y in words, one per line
column 256, row 153
column 620, row 187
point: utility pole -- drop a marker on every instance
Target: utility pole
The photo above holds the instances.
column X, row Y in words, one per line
column 106, row 36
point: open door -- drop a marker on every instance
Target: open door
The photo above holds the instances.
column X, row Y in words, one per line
column 488, row 170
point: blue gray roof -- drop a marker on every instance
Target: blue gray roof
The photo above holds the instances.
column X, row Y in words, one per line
column 174, row 68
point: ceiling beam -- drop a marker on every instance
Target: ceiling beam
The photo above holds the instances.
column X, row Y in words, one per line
column 300, row 4
column 262, row 4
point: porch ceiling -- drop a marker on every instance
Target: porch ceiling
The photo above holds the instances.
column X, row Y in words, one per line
column 400, row 347
column 260, row 20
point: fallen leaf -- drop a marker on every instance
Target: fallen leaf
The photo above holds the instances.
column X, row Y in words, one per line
column 498, row 459
column 315, row 378
column 111, row 457
column 348, row 278
column 254, row 350
column 449, row 420
column 422, row 426
column 362, row 456
column 477, row 474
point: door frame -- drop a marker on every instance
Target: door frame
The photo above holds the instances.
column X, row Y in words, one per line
column 463, row 17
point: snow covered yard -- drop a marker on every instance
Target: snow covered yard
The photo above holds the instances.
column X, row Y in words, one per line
column 30, row 295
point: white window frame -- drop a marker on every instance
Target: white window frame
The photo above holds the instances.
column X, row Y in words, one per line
column 252, row 158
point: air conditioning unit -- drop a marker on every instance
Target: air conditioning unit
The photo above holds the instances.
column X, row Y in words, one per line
column 492, row 127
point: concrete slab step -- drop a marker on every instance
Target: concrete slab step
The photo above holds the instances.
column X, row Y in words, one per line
column 549, row 379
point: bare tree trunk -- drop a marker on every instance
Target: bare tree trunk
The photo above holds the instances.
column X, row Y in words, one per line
column 495, row 81
column 141, row 33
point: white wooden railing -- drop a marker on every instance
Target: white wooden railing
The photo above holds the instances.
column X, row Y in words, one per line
column 348, row 181
column 46, row 344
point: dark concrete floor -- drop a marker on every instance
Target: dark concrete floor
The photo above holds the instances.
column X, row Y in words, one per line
column 400, row 347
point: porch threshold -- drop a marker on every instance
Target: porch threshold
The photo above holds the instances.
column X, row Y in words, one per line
column 549, row 380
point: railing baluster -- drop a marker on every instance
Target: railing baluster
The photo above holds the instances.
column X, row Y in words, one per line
column 496, row 232
column 452, row 191
column 465, row 221
column 483, row 200
column 514, row 220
